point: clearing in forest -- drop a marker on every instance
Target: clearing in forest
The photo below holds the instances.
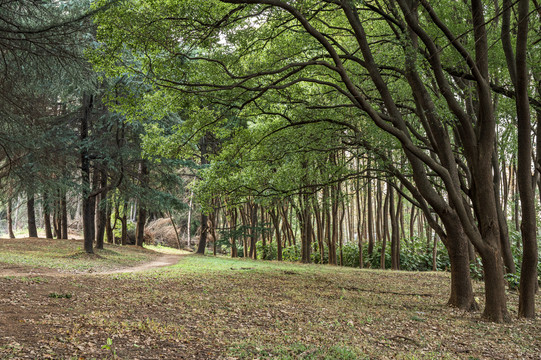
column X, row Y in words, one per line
column 220, row 308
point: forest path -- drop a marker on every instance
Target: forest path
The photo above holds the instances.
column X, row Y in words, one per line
column 162, row 261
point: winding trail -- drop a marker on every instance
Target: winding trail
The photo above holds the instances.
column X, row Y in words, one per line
column 161, row 261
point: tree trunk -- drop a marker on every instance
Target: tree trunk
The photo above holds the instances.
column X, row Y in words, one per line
column 124, row 226
column 108, row 226
column 395, row 235
column 496, row 303
column 32, row 229
column 276, row 222
column 307, row 230
column 203, row 236
column 457, row 245
column 370, row 224
column 190, row 220
column 102, row 211
column 142, row 213
column 333, row 222
column 63, row 226
column 47, row 217
column 233, row 232
column 528, row 274
column 254, row 233
column 502, row 221
column 10, row 220
column 88, row 218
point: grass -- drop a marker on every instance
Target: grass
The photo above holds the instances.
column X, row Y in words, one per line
column 68, row 255
column 219, row 308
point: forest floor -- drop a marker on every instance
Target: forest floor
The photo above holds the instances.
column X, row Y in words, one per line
column 221, row 308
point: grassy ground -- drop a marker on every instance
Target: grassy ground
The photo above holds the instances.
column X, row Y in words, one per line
column 219, row 308
column 68, row 255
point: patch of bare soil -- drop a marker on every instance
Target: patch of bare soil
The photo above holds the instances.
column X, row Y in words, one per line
column 164, row 260
column 9, row 270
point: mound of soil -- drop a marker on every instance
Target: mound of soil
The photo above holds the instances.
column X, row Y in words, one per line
column 163, row 233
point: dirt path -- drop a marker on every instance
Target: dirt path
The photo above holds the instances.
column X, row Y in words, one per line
column 164, row 260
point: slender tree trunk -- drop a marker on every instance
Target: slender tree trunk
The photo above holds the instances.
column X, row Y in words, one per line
column 63, row 216
column 502, row 221
column 395, row 259
column 528, row 275
column 307, row 230
column 233, row 232
column 142, row 213
column 341, row 232
column 370, row 212
column 190, row 220
column 276, row 222
column 102, row 211
column 333, row 222
column 88, row 219
column 319, row 229
column 203, row 143
column 124, row 225
column 47, row 217
column 254, row 233
column 10, row 220
column 385, row 231
column 108, row 226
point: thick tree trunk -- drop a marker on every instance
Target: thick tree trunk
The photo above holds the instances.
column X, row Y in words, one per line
column 140, row 226
column 203, row 236
column 461, row 287
column 32, row 229
column 496, row 303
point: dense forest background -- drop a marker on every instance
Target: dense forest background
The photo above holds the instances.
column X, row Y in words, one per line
column 385, row 134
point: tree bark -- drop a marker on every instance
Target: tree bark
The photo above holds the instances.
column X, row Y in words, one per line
column 10, row 219
column 63, row 226
column 47, row 217
column 88, row 219
column 32, row 229
column 142, row 213
column 102, row 211
column 528, row 227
